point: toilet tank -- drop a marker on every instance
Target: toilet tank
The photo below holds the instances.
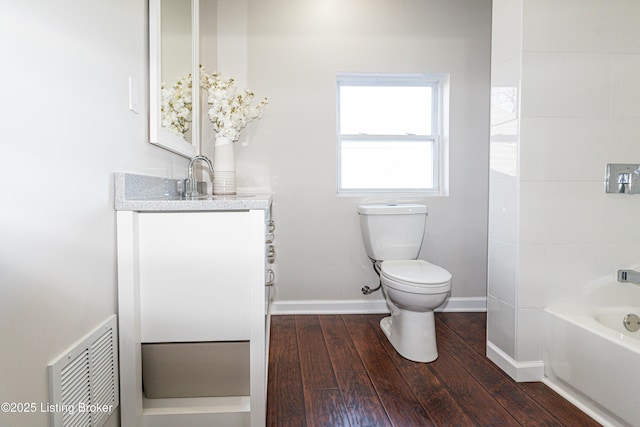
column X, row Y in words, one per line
column 392, row 231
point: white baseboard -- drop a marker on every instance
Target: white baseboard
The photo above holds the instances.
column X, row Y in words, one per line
column 366, row 306
column 329, row 307
column 520, row 372
column 470, row 304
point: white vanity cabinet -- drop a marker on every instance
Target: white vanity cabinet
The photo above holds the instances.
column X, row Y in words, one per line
column 193, row 276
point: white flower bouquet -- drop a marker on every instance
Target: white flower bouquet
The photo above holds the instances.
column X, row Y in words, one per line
column 175, row 106
column 229, row 111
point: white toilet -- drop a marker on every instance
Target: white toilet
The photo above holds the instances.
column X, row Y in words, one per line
column 413, row 288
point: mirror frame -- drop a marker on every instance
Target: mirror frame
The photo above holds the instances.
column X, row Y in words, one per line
column 157, row 134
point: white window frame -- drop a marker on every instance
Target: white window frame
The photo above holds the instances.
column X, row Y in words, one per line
column 439, row 132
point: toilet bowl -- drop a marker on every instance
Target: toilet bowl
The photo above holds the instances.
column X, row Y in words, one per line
column 413, row 288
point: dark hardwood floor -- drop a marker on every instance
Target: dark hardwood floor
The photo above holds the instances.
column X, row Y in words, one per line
column 340, row 370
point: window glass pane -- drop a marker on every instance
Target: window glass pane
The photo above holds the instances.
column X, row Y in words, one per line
column 385, row 110
column 387, row 164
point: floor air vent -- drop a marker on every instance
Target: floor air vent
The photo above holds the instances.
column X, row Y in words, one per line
column 83, row 382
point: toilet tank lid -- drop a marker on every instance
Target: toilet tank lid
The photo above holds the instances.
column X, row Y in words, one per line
column 392, row 209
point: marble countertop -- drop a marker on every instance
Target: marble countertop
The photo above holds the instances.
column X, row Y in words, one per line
column 135, row 192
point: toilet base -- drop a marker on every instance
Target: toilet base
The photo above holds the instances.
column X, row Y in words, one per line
column 412, row 334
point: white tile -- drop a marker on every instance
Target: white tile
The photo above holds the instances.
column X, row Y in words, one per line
column 561, row 212
column 502, row 271
column 569, row 268
column 506, row 30
column 504, row 108
column 622, row 219
column 594, row 26
column 565, row 149
column 503, row 223
column 501, row 325
column 504, row 192
column 503, row 161
column 531, row 276
column 507, row 74
column 535, row 25
column 534, row 148
column 625, row 85
column 530, row 334
column 565, row 85
column 625, row 33
column 534, row 215
column 580, row 25
column 614, row 256
column 624, row 140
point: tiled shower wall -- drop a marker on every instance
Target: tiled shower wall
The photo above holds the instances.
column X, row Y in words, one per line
column 566, row 101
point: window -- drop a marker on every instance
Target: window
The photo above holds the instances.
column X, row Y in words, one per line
column 390, row 130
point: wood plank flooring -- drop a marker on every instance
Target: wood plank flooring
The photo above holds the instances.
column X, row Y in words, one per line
column 340, row 370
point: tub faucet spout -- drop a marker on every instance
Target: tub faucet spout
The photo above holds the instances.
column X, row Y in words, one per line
column 630, row 276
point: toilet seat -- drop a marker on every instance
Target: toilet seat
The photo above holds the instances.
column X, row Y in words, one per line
column 416, row 276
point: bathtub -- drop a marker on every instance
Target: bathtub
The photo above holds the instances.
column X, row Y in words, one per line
column 591, row 358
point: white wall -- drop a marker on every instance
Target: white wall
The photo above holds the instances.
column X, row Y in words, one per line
column 580, row 106
column 295, row 49
column 65, row 130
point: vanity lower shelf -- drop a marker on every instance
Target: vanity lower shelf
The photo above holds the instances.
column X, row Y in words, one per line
column 196, row 412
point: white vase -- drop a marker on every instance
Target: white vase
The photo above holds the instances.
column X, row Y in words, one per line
column 224, row 167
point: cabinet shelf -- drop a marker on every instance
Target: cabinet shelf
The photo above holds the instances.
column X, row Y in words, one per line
column 196, row 405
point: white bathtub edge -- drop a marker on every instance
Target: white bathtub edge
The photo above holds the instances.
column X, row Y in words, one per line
column 588, row 383
column 579, row 402
column 519, row 371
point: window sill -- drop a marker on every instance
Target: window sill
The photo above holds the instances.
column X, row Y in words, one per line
column 392, row 194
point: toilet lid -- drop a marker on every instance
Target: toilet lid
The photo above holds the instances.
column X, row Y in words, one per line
column 417, row 272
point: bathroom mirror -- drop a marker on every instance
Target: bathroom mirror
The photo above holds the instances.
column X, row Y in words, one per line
column 173, row 59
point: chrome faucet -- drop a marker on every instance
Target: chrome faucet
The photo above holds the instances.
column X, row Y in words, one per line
column 190, row 184
column 624, row 182
column 630, row 276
